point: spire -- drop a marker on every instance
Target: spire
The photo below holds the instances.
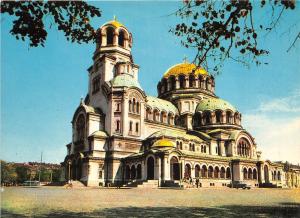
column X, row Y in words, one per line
column 185, row 59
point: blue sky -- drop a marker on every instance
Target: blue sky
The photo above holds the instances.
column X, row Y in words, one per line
column 41, row 87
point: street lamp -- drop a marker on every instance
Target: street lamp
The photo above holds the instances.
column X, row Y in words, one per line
column 69, row 172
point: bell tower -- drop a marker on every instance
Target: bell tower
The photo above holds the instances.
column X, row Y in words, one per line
column 111, row 58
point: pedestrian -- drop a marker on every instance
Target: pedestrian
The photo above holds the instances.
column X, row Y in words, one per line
column 197, row 182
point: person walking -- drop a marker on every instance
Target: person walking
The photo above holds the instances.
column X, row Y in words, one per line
column 197, row 182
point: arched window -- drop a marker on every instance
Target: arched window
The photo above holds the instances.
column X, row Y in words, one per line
column 210, row 172
column 164, row 85
column 254, row 174
column 191, row 81
column 216, row 172
column 222, row 173
column 137, row 107
column 204, row 149
column 245, row 173
column 177, row 145
column 228, row 117
column 133, row 106
column 197, row 171
column 132, row 172
column 187, row 171
column 80, row 127
column 181, row 81
column 204, row 171
column 118, row 126
column 110, row 35
column 121, row 40
column 129, row 105
column 130, row 126
column 243, row 147
column 228, row 173
column 278, row 175
column 180, row 145
column 139, row 171
column 201, row 148
column 137, row 127
column 172, row 82
column 218, row 116
column 250, row 175
column 207, row 118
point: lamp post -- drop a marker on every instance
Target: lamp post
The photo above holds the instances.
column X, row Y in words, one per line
column 69, row 172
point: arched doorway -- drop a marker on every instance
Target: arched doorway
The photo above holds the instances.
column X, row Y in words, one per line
column 266, row 174
column 197, row 171
column 174, row 169
column 127, row 172
column 139, row 171
column 132, row 172
column 187, row 171
column 150, row 168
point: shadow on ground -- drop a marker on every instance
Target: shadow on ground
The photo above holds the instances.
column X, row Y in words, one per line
column 282, row 210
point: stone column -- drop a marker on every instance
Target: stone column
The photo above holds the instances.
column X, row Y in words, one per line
column 157, row 168
column 115, row 40
column 186, row 82
column 177, row 83
column 124, row 120
column 166, row 169
column 197, row 82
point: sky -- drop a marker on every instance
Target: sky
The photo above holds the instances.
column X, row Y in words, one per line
column 41, row 87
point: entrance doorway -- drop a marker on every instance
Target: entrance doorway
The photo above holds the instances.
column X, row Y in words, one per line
column 174, row 169
column 150, row 168
column 266, row 174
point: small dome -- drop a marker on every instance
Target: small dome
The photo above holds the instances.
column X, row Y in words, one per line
column 184, row 68
column 212, row 104
column 114, row 23
column 125, row 80
column 161, row 104
column 163, row 143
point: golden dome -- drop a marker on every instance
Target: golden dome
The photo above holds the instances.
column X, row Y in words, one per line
column 163, row 143
column 185, row 69
column 114, row 23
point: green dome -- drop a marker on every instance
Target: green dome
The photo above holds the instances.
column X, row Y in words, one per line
column 125, row 80
column 161, row 105
column 212, row 104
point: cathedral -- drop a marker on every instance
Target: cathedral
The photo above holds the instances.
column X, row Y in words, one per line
column 123, row 136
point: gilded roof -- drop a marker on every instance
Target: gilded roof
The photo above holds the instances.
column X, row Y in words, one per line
column 184, row 68
column 99, row 133
column 175, row 134
column 163, row 143
column 114, row 23
column 212, row 104
column 125, row 80
column 161, row 104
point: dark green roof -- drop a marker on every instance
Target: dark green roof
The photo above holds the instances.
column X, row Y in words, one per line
column 125, row 80
column 161, row 104
column 212, row 104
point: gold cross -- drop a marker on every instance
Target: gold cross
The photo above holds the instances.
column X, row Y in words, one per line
column 115, row 18
column 185, row 59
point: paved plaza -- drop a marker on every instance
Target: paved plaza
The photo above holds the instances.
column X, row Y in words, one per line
column 204, row 202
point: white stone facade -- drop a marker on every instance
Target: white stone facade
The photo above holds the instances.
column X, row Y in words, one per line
column 120, row 134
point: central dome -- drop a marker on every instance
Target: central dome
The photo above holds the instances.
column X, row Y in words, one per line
column 185, row 69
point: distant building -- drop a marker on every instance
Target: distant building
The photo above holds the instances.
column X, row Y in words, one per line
column 120, row 134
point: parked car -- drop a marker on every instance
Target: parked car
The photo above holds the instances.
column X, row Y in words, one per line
column 240, row 184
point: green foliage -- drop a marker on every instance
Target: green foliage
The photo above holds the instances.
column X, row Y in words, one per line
column 56, row 175
column 23, row 173
column 8, row 173
column 221, row 30
column 71, row 17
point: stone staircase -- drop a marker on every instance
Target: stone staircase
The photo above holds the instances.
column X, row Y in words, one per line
column 149, row 184
column 172, row 184
column 76, row 184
